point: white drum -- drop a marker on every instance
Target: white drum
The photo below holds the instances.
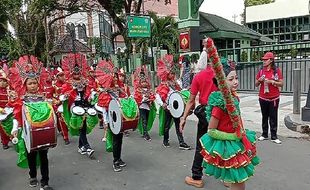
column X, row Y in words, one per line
column 8, row 111
column 91, row 112
column 115, row 117
column 176, row 105
column 78, row 110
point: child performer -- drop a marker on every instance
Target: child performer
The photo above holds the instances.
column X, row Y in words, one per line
column 145, row 97
column 26, row 79
column 228, row 150
column 166, row 70
column 78, row 93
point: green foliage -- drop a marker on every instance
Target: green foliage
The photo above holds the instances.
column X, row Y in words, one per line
column 249, row 3
column 244, row 56
column 293, row 52
column 194, row 57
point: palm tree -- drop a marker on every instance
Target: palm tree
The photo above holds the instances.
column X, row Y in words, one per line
column 164, row 32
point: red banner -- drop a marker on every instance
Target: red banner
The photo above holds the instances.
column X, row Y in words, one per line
column 184, row 41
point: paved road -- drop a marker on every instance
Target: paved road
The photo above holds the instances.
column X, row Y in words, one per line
column 152, row 167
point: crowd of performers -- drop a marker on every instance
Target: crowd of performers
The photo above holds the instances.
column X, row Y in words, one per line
column 38, row 102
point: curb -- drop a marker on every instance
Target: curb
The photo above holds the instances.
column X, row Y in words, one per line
column 297, row 126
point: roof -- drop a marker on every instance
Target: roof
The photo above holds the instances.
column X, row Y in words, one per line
column 218, row 27
column 65, row 45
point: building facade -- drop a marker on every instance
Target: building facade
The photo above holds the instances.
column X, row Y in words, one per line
column 284, row 21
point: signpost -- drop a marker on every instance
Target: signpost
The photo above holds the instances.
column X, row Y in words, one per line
column 139, row 26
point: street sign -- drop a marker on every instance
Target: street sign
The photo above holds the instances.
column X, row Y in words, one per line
column 139, row 26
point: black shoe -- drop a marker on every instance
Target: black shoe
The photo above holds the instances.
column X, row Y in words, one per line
column 147, row 137
column 67, row 142
column 90, row 152
column 33, row 182
column 5, row 147
column 166, row 144
column 46, row 187
column 117, row 167
column 101, row 127
column 122, row 163
column 184, row 146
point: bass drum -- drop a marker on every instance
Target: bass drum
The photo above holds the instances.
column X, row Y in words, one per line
column 39, row 126
column 176, row 104
column 123, row 115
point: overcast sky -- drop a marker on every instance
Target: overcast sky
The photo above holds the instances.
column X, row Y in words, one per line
column 224, row 8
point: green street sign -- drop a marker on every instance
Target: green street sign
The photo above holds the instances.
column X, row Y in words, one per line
column 139, row 26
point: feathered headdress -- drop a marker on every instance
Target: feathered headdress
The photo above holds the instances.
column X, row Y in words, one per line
column 104, row 73
column 141, row 74
column 58, row 71
column 75, row 63
column 46, row 76
column 166, row 66
column 27, row 67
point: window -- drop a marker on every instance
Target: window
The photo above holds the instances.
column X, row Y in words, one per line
column 71, row 30
column 82, row 32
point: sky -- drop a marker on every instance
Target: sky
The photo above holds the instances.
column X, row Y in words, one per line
column 224, row 8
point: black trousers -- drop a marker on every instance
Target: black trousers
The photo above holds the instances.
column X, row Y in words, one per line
column 32, row 162
column 83, row 138
column 269, row 111
column 144, row 116
column 167, row 127
column 197, row 163
column 117, row 146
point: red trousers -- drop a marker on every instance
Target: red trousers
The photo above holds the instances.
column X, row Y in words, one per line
column 5, row 139
column 61, row 125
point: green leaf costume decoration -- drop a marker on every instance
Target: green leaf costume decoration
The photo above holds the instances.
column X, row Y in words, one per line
column 109, row 142
column 129, row 108
column 7, row 125
column 162, row 119
column 39, row 111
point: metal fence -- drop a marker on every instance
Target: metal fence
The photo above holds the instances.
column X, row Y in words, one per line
column 247, row 73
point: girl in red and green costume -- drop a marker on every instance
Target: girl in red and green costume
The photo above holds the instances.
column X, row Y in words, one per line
column 26, row 79
column 228, row 150
column 166, row 70
column 5, row 130
column 145, row 97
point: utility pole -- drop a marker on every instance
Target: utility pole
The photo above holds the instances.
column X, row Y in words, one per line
column 234, row 17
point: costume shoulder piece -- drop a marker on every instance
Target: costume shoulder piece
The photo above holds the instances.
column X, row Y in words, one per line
column 216, row 99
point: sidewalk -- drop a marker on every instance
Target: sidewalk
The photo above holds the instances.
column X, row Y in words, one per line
column 251, row 114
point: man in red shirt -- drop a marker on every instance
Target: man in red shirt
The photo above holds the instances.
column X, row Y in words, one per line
column 203, row 85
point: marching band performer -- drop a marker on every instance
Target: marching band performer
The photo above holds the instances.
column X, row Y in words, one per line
column 5, row 130
column 26, row 79
column 166, row 70
column 76, row 100
column 145, row 98
column 60, row 81
column 108, row 79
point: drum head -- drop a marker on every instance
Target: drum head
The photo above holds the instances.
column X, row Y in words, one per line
column 78, row 110
column 8, row 111
column 115, row 117
column 98, row 108
column 176, row 105
column 91, row 112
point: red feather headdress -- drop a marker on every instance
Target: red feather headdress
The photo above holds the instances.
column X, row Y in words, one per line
column 141, row 74
column 104, row 73
column 27, row 67
column 166, row 66
column 75, row 63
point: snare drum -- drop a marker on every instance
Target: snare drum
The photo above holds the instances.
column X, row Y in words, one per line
column 39, row 126
column 123, row 115
column 77, row 117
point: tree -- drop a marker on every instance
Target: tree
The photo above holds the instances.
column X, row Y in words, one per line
column 248, row 3
column 33, row 29
column 118, row 9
